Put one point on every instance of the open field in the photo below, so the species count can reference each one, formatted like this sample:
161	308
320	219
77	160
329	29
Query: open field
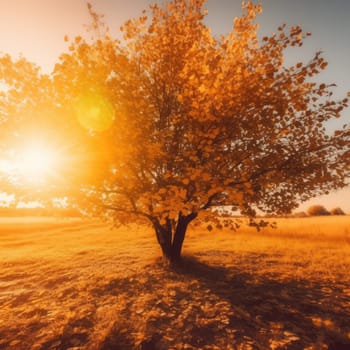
71	284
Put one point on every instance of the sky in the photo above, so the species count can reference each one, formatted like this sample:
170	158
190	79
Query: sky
35	29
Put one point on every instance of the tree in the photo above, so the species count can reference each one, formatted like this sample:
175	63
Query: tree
189	126
337	211
318	210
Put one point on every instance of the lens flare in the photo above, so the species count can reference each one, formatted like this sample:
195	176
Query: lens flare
94	112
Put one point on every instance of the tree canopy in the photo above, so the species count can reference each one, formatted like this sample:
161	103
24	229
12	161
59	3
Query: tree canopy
318	210
172	124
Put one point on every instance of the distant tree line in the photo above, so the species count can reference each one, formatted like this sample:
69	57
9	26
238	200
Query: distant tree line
317	210
320	210
38	211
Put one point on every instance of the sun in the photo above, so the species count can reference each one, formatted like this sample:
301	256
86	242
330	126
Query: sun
36	162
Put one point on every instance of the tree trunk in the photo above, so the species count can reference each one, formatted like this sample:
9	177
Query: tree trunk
163	234
171	237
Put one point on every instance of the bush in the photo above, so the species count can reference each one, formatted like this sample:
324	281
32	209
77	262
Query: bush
337	211
300	214
317	210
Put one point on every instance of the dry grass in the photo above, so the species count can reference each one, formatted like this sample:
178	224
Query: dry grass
79	285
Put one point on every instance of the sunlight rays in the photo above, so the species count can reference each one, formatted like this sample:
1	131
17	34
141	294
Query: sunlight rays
36	161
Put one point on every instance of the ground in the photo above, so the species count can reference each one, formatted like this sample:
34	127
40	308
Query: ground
73	284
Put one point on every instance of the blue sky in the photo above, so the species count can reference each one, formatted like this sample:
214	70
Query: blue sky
35	28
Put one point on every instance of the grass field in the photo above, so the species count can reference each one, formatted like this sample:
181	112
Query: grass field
72	284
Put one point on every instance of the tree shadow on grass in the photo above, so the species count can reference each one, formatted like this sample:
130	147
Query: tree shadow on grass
200	306
277	314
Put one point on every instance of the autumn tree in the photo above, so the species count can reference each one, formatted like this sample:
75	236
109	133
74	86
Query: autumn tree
191	126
